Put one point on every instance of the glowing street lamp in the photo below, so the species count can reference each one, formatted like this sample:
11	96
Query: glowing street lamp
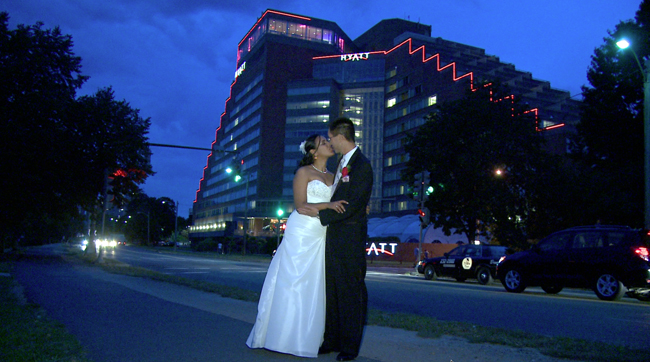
236	170
624	44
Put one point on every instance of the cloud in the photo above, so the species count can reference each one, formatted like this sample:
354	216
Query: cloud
175	60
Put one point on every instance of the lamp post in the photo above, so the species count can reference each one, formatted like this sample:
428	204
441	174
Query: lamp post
176	227
175	203
277	229
237	171
148	224
246	213
624	44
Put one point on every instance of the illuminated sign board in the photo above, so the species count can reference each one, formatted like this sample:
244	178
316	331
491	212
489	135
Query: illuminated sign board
354	57
382	249
240	70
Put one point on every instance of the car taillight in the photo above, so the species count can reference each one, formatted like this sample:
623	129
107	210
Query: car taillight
643	253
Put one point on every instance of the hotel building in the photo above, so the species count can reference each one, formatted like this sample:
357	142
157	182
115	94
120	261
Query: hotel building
295	73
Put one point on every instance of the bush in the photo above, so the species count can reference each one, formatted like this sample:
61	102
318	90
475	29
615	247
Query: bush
208	245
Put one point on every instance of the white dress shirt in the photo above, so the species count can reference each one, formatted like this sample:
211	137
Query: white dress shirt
344	162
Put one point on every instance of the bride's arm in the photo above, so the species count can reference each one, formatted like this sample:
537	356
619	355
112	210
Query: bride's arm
300	181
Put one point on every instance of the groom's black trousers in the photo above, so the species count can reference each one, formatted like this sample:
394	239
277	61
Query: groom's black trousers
347	299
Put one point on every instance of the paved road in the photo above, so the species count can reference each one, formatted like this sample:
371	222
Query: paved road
573	313
119	318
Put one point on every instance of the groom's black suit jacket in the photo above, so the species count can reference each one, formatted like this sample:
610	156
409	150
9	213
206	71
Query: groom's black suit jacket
345	258
348	231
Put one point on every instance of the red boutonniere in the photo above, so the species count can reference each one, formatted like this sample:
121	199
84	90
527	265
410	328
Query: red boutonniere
344	174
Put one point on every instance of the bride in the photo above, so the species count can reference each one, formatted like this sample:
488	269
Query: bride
291	310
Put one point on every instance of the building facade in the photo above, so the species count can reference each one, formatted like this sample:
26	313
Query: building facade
295	73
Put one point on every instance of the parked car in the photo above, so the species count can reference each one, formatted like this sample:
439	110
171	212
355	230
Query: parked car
605	258
464	262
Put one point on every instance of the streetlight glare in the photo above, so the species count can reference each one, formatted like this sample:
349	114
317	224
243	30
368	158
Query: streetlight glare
645	71
623	43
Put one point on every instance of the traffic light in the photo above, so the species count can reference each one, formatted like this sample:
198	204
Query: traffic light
425	217
280	212
415	189
412	192
420	188
235	170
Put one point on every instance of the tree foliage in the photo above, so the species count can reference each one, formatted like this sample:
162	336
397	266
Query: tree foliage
462	146
611	127
57	149
150	219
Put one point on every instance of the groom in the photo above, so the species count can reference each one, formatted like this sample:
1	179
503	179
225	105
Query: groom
345	255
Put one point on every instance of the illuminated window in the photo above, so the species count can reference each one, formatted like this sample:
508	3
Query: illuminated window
277	26
391	73
391	87
309	105
314	33
433	100
328	36
391	102
297	30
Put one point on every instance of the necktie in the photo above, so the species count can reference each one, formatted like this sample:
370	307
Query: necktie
337	177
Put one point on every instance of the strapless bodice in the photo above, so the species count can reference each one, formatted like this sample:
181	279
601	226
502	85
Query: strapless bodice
317	191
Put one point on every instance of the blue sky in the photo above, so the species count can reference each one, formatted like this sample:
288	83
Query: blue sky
174	60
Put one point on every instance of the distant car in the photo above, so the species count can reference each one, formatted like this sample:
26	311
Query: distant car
78	242
465	262
605	258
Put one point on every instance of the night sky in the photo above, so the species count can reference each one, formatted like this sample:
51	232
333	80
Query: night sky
175	60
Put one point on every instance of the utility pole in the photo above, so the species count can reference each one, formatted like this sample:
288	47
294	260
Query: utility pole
421	193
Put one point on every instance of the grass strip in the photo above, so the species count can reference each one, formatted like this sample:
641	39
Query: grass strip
428	327
558	347
27	333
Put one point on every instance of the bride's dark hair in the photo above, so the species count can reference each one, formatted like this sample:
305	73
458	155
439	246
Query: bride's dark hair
310	144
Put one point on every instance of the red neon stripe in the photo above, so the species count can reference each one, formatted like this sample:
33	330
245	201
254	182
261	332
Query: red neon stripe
424	60
552	127
383	252
215	140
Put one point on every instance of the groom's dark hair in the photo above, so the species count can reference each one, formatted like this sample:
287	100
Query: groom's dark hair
343	126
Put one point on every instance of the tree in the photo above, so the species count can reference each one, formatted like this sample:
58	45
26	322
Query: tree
111	143
463	145
151	219
59	151
610	133
40	76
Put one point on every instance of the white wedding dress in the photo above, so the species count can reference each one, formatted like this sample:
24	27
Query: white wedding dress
291	311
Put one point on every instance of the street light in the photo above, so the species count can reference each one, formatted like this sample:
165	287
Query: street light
277	228
624	44
175	203
236	170
148	224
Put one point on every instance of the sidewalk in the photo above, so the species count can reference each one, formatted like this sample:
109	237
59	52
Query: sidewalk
122	318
